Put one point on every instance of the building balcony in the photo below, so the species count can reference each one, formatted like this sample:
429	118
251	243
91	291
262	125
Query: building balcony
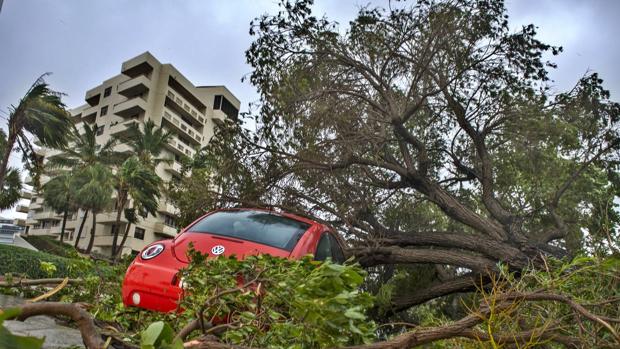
46	231
219	116
134	86
180	148
130	107
165	206
25	194
93	96
28	180
35	206
182	127
89	116
175	168
47	215
106	240
165	230
182	106
109	218
140	65
121	128
55	230
22	208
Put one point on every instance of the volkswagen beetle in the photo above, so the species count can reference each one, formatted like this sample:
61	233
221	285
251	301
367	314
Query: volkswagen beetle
151	280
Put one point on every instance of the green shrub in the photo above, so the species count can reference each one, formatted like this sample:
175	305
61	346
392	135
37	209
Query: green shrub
311	304
20	261
23	262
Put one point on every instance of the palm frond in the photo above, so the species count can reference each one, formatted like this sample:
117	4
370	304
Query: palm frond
10	193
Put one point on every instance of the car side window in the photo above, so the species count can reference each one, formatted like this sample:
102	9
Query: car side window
323	249
337	254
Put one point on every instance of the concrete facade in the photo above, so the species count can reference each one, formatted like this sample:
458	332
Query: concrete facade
144	90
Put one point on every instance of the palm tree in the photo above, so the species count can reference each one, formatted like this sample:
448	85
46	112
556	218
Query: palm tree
58	194
40	115
94	187
147	144
136	181
83	153
10	191
131	215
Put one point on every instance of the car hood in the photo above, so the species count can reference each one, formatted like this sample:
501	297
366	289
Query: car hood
213	245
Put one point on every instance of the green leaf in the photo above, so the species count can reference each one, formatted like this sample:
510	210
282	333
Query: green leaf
151	334
354	314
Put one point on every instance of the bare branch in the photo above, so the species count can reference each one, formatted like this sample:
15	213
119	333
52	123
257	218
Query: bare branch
90	334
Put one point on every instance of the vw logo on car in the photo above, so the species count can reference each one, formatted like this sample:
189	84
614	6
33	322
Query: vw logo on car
217	250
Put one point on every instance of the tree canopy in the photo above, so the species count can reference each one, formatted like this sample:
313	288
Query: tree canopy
430	135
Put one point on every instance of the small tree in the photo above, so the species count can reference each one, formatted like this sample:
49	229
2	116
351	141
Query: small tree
83	153
138	182
59	195
94	187
147	143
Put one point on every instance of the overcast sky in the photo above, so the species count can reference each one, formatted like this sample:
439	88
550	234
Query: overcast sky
84	42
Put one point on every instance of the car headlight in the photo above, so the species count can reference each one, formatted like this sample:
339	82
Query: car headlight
152	251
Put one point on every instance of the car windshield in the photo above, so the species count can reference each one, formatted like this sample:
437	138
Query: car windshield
256	226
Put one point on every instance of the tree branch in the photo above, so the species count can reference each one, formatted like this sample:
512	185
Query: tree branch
90	334
372	256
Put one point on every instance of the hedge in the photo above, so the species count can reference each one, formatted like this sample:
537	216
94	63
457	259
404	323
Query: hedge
24	262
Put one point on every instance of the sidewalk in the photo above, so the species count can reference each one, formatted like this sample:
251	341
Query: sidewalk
20	242
56	336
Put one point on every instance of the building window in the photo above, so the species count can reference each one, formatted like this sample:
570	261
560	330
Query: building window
104	111
138	233
107	92
169	221
223	104
217	102
100	130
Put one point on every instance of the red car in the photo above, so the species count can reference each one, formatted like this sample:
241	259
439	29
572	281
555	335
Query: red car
151	280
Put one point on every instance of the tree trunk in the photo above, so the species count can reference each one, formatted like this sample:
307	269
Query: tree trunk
79	234
64	223
119	209
92	234
5	157
122	244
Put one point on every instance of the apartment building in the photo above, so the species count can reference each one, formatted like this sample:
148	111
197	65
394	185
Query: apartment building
144	90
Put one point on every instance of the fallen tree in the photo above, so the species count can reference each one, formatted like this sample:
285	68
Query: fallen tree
502	315
20	282
428	134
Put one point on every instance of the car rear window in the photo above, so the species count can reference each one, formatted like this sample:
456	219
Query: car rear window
256	226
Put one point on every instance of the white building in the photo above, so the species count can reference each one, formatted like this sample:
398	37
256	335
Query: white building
144	90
